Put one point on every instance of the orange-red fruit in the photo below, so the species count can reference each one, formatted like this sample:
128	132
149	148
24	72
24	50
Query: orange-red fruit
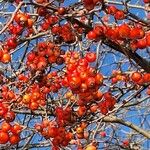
16	129
55	148
91	147
92	35
98	30
90	56
52	131
111	9
99	79
33	105
81	110
126	143
136	76
9	116
146	77
89	5
133	45
79	130
137	33
93	108
21	18
119	15
90	82
124	31
5	127
42	11
103	134
4	137
6	58
30	23
142	43
114	80
38	127
83	125
69	136
26	98
14	139
61	11
75	82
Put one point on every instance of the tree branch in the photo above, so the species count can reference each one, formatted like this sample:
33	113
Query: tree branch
114	119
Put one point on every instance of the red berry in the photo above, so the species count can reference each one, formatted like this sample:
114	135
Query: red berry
92	35
137	33
119	15
136	76
142	43
90	56
16	129
124	31
103	134
61	11
14	139
4	137
9	116
111	9
5	127
126	143
12	43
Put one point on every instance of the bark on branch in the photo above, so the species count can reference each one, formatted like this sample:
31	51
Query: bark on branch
114	119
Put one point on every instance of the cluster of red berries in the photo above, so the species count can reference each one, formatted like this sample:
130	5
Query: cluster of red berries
49	129
23	78
5	113
90	4
140	78
118	14
63	116
136	77
80	131
34	97
52	83
10	133
49	21
86	102
21	21
87	97
107	104
46	53
65	32
80	77
136	34
118	76
7	94
141	43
